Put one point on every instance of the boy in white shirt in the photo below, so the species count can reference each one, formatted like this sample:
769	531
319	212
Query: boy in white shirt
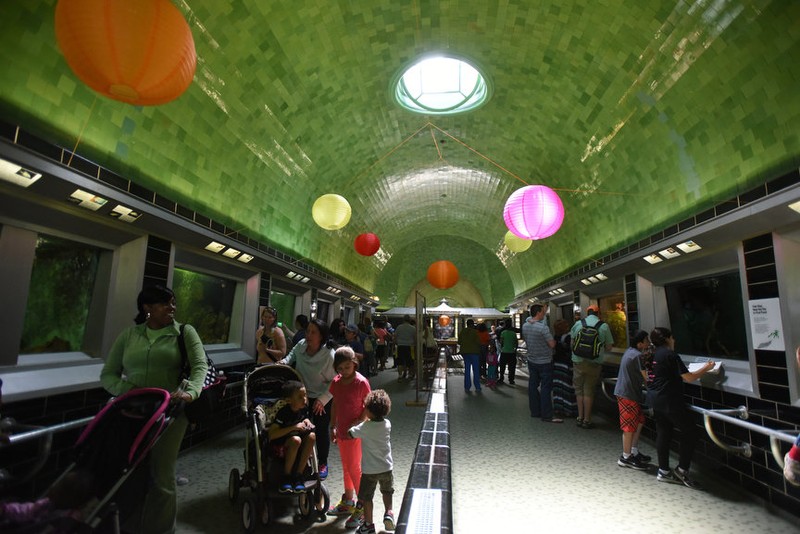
376	459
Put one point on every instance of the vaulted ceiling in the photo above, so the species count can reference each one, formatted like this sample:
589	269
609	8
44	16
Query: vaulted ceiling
637	113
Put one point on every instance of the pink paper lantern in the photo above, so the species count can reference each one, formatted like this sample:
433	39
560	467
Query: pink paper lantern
367	244
533	212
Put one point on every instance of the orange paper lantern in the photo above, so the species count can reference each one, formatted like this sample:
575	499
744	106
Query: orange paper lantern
444	320
138	52
442	274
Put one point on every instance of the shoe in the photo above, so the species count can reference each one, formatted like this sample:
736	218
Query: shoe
388	521
588	425
298	486
366	529
323	471
552	420
579	421
668	477
286	487
511	382
344	507
356	517
683	477
181	480
632	462
791	470
642	458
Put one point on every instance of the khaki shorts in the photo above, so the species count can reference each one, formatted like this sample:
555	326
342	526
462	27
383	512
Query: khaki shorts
366	489
585	377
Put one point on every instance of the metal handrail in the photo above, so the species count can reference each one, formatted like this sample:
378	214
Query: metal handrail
726	414
38	432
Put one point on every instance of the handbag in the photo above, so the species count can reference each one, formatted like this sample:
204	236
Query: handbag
200	409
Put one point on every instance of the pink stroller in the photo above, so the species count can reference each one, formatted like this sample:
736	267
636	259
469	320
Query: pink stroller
85	498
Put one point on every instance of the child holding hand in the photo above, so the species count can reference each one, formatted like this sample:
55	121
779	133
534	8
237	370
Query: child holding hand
293	430
349	389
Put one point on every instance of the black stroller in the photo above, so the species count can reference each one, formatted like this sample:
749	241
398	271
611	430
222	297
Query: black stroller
107	453
262	396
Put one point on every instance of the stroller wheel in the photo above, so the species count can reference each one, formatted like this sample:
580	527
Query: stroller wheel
233	485
305	505
322	499
255	511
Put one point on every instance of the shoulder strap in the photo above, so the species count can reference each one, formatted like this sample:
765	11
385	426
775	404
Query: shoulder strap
583	324
182	347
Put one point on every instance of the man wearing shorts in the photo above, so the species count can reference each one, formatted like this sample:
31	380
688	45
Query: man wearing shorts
630	382
586	373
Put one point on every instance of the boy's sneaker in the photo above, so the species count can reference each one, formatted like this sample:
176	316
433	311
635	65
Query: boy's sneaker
366	529
357	517
298	486
323	471
388	521
683	477
632	462
668	477
791	470
286	487
344	507
643	458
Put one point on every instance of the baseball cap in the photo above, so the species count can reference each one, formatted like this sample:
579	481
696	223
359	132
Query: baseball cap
352	328
593	308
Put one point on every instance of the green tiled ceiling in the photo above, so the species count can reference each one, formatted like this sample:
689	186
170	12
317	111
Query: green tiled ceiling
639	113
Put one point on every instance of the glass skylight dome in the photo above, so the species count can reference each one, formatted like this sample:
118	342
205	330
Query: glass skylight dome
441	85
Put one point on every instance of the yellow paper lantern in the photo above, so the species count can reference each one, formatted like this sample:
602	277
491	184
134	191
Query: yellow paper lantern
516	244
331	212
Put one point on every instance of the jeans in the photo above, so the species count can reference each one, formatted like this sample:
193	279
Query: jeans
541	378
472	367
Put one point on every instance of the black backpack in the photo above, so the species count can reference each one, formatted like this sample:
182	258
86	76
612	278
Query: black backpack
587	343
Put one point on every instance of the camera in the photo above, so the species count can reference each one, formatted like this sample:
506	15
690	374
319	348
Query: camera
264	339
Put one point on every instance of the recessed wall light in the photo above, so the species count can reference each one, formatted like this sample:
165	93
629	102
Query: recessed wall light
653	258
795	206
231	253
601	276
586	282
215	247
669	253
593	279
245	258
87	200
298	277
305	279
11	172
688	246
291	274
125	214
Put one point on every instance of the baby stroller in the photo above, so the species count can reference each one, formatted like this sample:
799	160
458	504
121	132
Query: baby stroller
262	396
107	453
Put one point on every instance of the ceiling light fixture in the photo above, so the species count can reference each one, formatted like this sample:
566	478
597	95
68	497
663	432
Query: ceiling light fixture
11	172
231	253
87	200
652	259
215	247
245	258
125	214
669	253
688	246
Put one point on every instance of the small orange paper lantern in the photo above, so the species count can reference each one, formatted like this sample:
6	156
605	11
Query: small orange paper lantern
444	320
367	244
138	52
442	274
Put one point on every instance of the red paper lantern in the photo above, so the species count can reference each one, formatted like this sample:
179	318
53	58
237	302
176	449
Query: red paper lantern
138	52
442	274
367	244
444	320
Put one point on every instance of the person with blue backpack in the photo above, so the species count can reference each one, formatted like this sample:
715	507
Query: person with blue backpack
590	338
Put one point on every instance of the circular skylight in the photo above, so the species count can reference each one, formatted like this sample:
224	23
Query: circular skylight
441	85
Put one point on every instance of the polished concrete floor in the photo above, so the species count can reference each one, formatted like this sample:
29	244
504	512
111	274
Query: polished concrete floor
510	473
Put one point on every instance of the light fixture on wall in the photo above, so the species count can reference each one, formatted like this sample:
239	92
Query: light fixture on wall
87	200
125	214
13	173
215	247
